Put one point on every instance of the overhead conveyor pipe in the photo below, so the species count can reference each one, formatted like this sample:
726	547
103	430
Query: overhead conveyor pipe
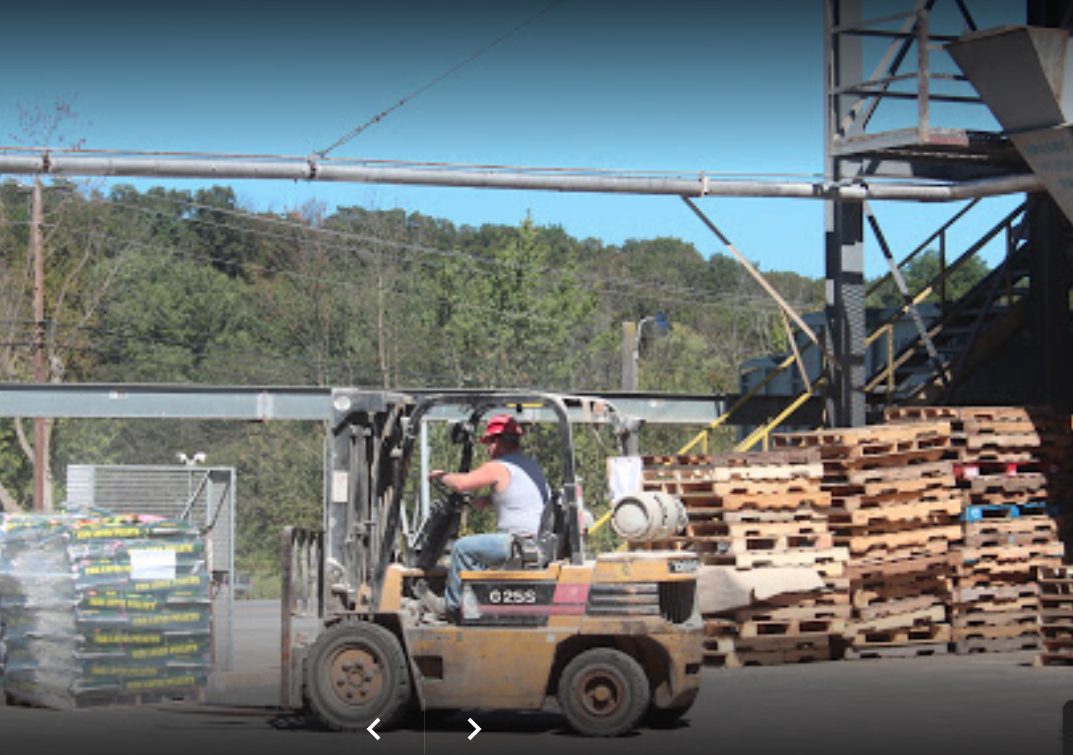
75	163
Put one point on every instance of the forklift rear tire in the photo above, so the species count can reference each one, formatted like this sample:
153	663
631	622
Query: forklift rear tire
603	693
357	674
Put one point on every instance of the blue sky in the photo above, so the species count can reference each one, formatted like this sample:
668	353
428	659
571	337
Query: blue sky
675	85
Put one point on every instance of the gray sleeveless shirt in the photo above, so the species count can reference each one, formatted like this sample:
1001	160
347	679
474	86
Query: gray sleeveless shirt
520	506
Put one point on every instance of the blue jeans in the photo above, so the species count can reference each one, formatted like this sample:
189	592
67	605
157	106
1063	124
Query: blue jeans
474	552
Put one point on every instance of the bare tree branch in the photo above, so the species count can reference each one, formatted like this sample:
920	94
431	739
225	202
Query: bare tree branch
8	502
24	441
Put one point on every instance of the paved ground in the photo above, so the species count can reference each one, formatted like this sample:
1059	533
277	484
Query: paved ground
976	704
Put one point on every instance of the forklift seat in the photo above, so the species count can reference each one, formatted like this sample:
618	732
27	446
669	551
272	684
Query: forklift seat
529	552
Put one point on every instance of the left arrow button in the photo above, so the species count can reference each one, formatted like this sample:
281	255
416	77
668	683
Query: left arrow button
371	727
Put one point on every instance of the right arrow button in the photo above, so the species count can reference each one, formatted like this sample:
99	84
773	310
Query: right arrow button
476	728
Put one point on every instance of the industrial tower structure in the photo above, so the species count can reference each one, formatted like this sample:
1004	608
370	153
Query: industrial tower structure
1010	339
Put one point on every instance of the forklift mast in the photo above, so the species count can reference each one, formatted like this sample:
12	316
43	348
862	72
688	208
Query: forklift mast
371	444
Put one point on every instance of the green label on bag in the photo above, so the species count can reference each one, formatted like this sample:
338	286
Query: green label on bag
127	638
143	685
167	617
186	648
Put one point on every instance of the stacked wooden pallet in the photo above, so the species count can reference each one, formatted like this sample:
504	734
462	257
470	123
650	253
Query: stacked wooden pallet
1008	532
755	511
1056	462
895	508
1056	616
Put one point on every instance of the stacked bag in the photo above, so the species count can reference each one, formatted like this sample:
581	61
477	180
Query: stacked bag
98	609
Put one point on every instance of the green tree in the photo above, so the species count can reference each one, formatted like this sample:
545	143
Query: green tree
514	316
173	320
922	271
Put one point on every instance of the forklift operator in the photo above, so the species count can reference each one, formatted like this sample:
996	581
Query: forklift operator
519	493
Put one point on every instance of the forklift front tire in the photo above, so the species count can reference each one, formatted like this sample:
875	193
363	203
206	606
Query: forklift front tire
357	674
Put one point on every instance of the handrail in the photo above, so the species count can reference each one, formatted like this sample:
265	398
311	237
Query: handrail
876	284
884	329
762	432
929	288
893	362
702	436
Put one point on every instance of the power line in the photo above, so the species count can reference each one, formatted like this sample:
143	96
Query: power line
425	87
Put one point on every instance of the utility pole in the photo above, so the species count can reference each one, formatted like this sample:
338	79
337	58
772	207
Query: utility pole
40	373
629	372
629	355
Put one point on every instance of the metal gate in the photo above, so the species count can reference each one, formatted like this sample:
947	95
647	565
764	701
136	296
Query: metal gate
202	496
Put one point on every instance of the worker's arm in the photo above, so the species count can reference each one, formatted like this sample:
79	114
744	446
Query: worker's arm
491	474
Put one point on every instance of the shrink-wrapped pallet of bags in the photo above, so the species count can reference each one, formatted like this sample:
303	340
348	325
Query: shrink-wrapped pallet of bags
37	599
103	609
143	608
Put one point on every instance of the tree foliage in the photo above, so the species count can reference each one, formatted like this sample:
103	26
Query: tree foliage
924	270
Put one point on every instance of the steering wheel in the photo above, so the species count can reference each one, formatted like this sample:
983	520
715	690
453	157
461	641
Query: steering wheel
454	497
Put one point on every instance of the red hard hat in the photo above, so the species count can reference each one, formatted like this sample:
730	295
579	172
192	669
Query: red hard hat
501	424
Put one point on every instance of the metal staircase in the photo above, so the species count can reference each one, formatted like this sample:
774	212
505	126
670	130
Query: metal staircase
962	334
965	331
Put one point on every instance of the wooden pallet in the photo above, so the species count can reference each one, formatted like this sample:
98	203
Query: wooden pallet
997	645
1003	441
1049	658
803	515
982	606
783	643
1001	618
879	609
805	528
767	501
827	561
1013	526
917	635
790	627
842	465
1016	539
767	472
921	618
792	486
792	613
872	434
932	539
1056	634
920	413
983	594
976	427
886	592
989	572
1004	554
1029	482
894	474
1007	498
902	507
896	651
915	563
993	632
968	463
1012	576
940	481
780	543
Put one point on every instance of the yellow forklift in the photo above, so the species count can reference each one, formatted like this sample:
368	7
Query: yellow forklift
613	641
